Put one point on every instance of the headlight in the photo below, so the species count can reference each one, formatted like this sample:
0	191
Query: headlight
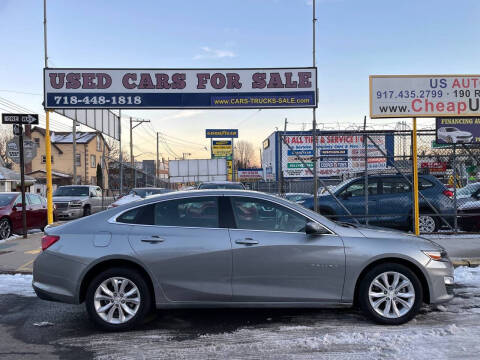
436	255
76	203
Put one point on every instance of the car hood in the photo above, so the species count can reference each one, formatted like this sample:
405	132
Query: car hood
395	235
68	198
462	133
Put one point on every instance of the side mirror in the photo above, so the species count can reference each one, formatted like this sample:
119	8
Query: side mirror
92	195
17	207
313	228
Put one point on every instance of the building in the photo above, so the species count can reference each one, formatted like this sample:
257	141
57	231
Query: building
10	180
90	150
148	167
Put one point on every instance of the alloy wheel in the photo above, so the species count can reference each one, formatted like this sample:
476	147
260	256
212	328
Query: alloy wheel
117	300
426	224
391	295
4	229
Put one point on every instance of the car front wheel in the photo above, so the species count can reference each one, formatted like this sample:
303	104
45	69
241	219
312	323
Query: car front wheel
118	299
427	224
390	294
5	229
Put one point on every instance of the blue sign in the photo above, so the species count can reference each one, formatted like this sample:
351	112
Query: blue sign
221	133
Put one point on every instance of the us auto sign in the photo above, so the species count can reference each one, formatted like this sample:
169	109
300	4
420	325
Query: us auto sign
393	96
180	88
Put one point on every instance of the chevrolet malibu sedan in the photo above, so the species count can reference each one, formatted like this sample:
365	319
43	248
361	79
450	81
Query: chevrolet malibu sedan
234	248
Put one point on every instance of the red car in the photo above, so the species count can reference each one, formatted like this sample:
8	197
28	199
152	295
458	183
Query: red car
11	213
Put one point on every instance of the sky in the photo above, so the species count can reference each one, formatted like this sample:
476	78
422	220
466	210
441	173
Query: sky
355	39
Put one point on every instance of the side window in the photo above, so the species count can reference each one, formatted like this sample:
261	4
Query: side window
190	212
33	199
18	201
357	188
395	186
257	214
424	184
141	215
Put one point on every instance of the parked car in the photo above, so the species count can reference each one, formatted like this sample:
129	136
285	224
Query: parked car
390	202
138	194
234	248
11	213
468	202
221	185
452	134
74	201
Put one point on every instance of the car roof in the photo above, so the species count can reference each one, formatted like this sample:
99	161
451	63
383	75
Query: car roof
221	182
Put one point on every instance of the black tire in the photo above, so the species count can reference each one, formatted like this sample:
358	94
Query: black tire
431	219
364	287
145	299
5	229
87	210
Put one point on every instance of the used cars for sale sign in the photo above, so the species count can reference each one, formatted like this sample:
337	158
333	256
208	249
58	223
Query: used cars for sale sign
180	88
393	96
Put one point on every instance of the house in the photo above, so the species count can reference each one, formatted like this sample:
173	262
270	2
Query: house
10	180
90	149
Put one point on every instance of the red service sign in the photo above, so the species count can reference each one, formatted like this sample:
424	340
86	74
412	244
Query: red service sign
434	166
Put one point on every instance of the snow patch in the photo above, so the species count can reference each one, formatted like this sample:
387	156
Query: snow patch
18	284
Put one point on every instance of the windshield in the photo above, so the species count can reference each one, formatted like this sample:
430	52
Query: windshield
143	193
6	199
222	186
469	189
71	191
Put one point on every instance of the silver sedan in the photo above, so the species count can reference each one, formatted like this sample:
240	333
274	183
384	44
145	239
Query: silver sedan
229	248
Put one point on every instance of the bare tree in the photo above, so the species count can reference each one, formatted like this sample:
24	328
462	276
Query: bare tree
244	154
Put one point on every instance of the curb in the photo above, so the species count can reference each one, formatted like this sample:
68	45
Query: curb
470	262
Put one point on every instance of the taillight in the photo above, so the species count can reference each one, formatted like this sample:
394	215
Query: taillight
49	240
448	193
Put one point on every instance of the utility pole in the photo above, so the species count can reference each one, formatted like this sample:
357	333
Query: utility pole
74	146
314	127
132	162
156	165
282	140
48	149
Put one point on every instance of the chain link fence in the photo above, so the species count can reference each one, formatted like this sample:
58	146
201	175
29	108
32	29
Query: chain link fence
381	162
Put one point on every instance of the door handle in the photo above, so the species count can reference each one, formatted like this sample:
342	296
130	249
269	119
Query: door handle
246	241
154	239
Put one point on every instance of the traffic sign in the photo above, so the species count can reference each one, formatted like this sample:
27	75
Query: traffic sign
13	150
25	119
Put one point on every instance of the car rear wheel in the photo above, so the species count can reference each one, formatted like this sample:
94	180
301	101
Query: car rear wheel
118	299
5	229
390	294
87	211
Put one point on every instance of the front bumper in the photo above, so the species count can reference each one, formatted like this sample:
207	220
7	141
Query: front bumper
439	273
56	278
69	213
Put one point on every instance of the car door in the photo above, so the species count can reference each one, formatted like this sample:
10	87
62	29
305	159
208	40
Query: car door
353	198
16	214
274	260
183	244
395	201
34	210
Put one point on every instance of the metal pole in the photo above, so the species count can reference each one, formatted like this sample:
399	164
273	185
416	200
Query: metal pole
74	146
156	165
282	183
454	162
415	179
48	150
280	162
120	156
365	142
314	125
22	181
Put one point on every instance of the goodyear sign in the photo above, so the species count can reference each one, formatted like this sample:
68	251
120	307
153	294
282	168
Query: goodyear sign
221	133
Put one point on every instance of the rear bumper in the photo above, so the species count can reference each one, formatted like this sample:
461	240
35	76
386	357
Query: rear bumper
56	278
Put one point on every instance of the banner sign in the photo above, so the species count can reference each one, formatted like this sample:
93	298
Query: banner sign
221	133
457	130
180	88
394	96
221	148
336	154
101	120
250	174
434	167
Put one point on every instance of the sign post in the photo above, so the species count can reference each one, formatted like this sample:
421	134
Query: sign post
416	214
17	120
